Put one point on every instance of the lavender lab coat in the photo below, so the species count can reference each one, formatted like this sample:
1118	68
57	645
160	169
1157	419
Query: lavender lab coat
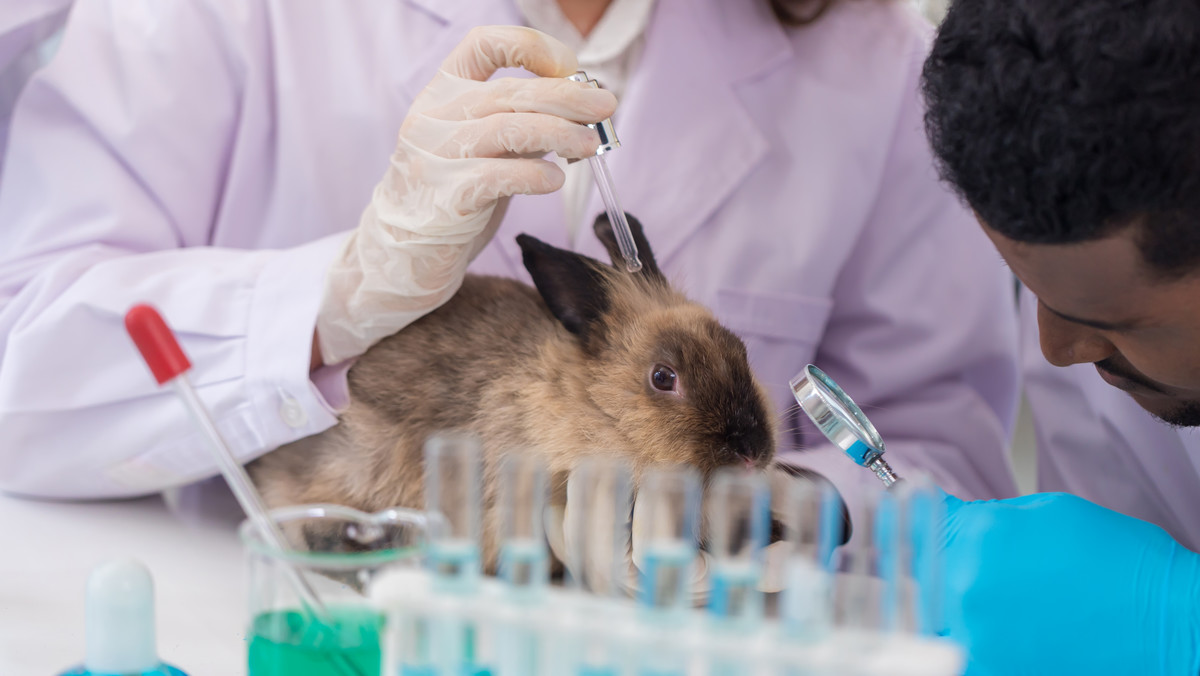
209	156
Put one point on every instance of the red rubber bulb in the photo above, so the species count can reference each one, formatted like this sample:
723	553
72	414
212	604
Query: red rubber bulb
156	342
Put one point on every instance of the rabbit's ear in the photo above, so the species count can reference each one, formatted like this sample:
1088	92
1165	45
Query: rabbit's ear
604	231
572	285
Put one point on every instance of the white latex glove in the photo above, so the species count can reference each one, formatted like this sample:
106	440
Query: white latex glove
466	146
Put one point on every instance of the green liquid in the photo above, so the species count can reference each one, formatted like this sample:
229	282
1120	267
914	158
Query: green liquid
286	643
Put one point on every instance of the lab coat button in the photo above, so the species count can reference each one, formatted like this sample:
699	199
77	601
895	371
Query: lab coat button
293	413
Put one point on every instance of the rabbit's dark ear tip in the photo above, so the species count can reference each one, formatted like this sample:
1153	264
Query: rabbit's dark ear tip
602	225
527	242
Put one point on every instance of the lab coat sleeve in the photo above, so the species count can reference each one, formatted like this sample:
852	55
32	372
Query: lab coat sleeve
922	334
112	184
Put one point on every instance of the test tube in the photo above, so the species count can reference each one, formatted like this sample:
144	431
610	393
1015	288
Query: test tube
452	502
737	510
665	532
664	536
452	499
597	535
855	604
894	561
922	535
523	560
522	500
738	513
812	515
600	493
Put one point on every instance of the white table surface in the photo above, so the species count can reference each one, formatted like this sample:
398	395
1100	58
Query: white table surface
188	541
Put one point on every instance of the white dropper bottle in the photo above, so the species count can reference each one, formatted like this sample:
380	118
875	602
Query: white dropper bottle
119	624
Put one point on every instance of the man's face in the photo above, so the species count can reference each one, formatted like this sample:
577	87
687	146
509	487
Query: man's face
1099	303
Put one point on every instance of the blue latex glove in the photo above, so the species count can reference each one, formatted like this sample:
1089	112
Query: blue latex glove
1054	584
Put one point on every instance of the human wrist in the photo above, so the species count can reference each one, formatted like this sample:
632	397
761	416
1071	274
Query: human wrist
314	360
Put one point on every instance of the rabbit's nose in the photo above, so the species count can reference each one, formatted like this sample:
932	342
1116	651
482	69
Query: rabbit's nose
749	447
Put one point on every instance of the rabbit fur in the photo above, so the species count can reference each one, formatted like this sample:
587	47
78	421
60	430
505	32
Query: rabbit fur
564	371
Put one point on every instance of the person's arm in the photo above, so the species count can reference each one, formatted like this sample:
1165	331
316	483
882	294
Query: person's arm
922	332
112	182
1054	584
118	179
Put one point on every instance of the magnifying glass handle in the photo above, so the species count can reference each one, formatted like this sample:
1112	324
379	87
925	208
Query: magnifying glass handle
884	471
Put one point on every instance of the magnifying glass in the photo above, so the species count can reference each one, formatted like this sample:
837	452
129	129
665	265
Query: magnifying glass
841	421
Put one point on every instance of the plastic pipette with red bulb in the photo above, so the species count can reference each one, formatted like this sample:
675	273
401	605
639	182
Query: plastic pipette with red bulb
169	364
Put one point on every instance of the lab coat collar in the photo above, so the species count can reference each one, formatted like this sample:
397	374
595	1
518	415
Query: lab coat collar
687	140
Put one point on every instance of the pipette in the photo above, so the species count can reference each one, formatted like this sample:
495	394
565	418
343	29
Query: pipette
169	364
604	183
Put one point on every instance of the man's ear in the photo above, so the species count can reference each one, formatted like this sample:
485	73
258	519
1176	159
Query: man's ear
572	285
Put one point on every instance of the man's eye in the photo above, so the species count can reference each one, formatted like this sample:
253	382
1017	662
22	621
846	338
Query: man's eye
663	378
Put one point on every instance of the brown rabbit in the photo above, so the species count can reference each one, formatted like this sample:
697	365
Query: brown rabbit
594	361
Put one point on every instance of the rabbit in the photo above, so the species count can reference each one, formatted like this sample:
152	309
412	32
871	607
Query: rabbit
595	360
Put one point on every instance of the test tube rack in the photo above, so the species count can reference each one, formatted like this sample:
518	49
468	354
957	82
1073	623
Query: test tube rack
571	633
447	620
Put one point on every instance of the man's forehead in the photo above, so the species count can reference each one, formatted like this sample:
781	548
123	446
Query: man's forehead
1084	276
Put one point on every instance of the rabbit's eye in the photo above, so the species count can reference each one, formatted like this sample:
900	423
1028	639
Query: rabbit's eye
663	378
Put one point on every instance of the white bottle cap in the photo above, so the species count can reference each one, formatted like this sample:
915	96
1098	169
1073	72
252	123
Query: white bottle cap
120	619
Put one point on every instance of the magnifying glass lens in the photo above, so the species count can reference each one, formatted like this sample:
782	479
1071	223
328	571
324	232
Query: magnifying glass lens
836	415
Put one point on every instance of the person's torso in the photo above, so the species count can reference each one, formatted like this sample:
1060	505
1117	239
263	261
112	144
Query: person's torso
752	154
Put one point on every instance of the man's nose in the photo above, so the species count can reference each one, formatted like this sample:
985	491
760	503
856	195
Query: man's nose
1065	342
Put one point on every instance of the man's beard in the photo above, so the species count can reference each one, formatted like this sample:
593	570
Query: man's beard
1186	415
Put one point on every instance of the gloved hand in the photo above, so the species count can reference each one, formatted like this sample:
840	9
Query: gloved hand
464	148
1054	584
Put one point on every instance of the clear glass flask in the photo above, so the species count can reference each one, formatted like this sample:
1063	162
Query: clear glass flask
338	551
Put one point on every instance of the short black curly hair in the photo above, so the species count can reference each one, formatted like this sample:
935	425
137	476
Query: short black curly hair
1062	121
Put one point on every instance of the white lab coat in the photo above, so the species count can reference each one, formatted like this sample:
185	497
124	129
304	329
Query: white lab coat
208	157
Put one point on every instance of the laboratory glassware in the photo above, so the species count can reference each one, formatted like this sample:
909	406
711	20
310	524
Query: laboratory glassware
346	550
453	475
604	183
812	516
596	540
168	364
841	421
524	560
737	509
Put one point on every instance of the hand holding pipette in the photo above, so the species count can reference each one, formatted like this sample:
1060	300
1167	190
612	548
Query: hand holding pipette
169	364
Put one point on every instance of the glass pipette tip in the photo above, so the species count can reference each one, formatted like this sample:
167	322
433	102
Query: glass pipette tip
616	216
